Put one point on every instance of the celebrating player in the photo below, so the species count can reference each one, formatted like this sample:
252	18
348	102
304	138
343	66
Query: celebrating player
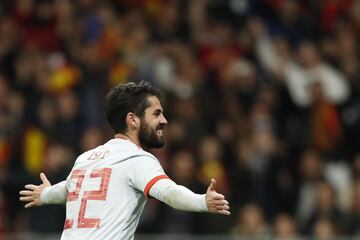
107	187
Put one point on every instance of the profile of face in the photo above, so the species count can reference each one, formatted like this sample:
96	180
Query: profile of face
152	125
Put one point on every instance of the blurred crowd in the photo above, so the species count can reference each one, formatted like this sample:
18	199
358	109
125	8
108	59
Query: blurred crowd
262	95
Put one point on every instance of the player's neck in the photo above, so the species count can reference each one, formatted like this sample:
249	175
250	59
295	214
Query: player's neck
129	136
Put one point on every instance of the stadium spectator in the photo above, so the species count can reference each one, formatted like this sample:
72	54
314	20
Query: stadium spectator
352	222
221	65
325	208
251	223
285	228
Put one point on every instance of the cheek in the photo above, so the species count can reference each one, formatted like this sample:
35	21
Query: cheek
153	124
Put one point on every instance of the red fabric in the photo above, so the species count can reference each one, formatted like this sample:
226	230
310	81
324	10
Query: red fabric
331	11
326	126
152	182
42	37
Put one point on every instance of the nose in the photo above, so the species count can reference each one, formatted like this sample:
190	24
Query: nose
163	120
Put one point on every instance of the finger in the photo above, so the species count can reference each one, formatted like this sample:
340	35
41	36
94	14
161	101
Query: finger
30	204
26	193
222	207
222	202
44	179
31	186
219	197
212	185
26	199
224	212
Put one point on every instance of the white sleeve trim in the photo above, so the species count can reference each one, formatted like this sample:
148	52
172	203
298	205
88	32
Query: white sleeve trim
56	194
178	197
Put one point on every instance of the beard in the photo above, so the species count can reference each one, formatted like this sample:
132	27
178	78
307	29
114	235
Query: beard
148	137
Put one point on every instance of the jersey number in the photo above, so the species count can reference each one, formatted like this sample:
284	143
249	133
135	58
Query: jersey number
100	194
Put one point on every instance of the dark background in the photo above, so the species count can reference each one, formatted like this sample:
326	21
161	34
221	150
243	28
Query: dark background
262	95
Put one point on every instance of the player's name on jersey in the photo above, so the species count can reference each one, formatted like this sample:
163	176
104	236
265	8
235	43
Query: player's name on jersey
98	155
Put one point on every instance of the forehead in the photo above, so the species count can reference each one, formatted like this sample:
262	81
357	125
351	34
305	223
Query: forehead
154	103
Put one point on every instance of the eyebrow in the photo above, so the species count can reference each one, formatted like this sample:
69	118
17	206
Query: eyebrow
158	110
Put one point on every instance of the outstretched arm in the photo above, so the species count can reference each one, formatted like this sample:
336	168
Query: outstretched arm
45	193
181	198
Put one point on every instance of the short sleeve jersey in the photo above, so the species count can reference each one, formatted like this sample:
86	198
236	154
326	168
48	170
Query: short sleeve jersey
107	190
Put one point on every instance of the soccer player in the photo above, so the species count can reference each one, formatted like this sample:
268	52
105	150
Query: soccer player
107	187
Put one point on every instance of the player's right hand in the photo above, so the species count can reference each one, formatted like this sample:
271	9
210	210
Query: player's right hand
32	193
216	202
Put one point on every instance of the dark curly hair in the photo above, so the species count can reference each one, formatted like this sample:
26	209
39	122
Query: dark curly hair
125	98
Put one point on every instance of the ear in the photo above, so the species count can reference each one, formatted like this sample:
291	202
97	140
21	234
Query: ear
132	121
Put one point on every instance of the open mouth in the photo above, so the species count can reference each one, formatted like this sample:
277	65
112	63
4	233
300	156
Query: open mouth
159	130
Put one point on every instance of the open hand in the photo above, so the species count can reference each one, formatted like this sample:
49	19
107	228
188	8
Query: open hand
33	192
216	202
